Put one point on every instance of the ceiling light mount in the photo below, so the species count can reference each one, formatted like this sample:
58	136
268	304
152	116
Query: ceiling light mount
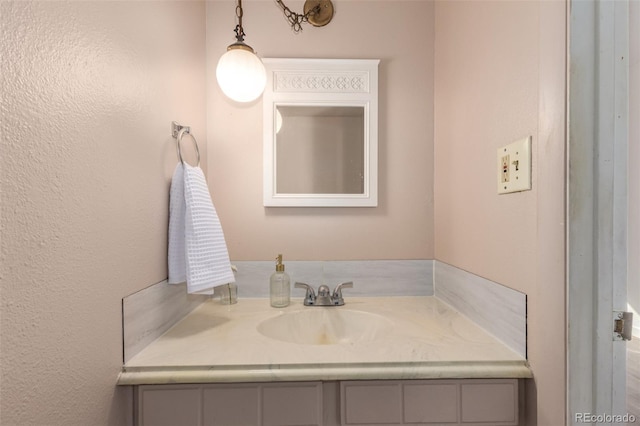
316	12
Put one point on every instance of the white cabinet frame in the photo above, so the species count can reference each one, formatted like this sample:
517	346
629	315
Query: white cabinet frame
321	82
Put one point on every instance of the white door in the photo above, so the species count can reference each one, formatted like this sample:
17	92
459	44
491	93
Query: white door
598	188
633	278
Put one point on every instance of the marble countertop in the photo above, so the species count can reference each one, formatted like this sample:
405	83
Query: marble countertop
422	338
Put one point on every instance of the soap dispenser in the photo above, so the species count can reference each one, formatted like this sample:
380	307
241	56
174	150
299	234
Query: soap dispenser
280	285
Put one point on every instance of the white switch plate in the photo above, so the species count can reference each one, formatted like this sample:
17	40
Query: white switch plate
514	166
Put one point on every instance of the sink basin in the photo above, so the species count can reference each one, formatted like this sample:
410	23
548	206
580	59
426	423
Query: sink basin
325	326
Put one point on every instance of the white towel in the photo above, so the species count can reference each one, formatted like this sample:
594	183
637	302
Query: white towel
177	208
197	250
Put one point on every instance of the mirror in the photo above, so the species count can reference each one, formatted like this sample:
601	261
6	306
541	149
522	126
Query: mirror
320	133
319	149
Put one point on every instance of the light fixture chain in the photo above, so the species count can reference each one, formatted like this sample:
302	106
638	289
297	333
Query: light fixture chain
296	19
239	30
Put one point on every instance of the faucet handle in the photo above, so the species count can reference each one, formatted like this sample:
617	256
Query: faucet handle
324	296
337	293
310	295
323	291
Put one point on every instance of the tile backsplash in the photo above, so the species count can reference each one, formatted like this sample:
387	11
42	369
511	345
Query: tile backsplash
498	309
370	277
148	313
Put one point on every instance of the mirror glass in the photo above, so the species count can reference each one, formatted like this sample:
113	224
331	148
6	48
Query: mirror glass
320	149
320	119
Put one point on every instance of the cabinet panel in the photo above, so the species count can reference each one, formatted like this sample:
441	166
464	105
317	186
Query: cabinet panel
430	402
231	405
169	406
375	403
427	403
371	403
490	402
291	404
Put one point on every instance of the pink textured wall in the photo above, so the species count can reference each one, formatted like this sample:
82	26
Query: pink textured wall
401	227
89	90
87	101
500	76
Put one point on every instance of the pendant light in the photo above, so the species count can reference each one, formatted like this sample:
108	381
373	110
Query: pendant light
240	73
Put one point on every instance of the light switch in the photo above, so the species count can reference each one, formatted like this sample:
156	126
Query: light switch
514	166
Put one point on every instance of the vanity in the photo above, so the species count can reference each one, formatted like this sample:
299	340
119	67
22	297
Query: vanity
417	342
385	360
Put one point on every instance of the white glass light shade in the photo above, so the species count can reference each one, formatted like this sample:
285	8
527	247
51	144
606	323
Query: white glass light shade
241	75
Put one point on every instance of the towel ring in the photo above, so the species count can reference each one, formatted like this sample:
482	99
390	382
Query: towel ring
178	131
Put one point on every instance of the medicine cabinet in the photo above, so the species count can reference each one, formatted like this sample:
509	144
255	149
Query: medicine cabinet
321	133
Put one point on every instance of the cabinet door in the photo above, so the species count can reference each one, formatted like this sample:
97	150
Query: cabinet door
433	402
169	405
292	404
492	402
371	403
231	405
430	402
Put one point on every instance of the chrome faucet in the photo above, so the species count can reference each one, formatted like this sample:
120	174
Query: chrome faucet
324	297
